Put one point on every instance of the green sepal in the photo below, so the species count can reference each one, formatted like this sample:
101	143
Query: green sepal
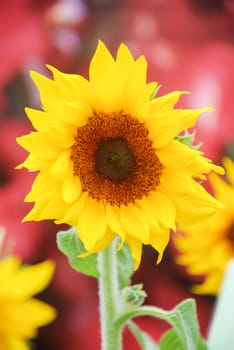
187	139
154	93
133	296
69	244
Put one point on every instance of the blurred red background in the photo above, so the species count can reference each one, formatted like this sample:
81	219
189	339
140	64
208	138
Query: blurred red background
189	45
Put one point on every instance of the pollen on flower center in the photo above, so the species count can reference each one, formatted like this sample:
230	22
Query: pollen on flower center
114	158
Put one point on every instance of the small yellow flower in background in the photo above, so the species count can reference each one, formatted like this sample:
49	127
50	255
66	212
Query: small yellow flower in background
20	314
206	248
108	159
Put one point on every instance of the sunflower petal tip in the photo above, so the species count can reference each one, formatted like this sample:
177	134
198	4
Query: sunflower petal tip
26	110
50	267
101	42
19	166
207	109
24	220
101	45
18	139
33	74
52	69
136	264
220	170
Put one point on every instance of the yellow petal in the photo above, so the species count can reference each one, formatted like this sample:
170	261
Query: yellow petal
71	216
27	281
106	95
166	102
185	159
73	86
163	127
101	58
33	143
33	162
91	226
113	220
23	318
140	106
211	285
229	166
50	93
43	189
159	240
8	266
71	189
62	166
78	112
124	58
12	343
39	119
136	250
164	209
185	188
146	207
101	244
35	213
134	222
55	208
135	82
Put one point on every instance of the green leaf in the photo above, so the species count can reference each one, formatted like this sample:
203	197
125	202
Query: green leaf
185	334
69	243
144	339
202	345
171	341
63	240
125	266
183	319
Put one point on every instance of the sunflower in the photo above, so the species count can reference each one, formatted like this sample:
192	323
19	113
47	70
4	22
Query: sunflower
207	247
20	314
108	159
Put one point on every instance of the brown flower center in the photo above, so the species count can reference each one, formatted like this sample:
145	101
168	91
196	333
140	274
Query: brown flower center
114	158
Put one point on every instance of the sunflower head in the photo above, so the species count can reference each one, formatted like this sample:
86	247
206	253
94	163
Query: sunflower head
108	159
214	235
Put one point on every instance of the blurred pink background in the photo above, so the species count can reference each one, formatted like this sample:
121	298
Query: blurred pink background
189	45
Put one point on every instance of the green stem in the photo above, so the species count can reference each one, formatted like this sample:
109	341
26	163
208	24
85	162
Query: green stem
109	298
144	339
144	311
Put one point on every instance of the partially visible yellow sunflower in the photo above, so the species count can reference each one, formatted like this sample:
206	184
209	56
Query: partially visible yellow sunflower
108	159
206	248
20	314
